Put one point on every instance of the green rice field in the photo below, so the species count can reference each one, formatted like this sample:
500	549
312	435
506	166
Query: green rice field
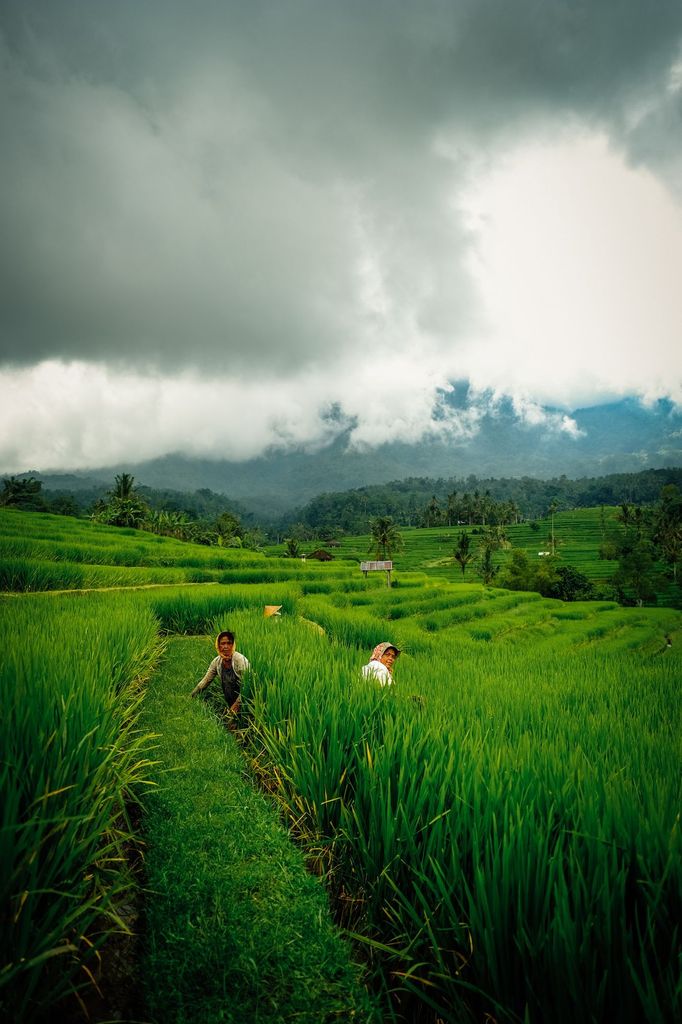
578	534
495	838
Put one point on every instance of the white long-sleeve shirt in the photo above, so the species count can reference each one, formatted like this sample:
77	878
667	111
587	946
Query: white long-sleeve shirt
377	670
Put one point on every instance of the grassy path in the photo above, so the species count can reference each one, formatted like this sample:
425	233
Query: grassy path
237	930
121	586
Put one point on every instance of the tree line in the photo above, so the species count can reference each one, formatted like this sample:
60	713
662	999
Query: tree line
641	538
125	505
645	534
204	517
424	501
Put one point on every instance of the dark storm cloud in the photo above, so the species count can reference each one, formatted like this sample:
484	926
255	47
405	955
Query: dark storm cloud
263	185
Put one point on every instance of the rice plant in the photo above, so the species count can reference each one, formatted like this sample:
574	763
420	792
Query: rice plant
187	610
507	845
72	760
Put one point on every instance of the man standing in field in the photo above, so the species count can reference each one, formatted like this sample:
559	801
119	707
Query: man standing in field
230	666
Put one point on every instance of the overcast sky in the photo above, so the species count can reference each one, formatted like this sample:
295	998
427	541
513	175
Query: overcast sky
229	224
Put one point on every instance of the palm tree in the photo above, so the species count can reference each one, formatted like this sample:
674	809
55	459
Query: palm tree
667	526
487	569
494	538
554	505
17	491
669	541
467	508
123	487
432	512
125	507
625	514
451	510
385	537
486	507
293	548
463	553
511	512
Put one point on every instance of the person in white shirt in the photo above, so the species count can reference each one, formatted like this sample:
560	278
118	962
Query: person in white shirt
380	665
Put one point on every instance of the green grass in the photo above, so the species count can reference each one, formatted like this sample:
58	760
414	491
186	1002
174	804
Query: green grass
39	551
456	614
73	759
507	845
579	535
25	575
237	930
511	844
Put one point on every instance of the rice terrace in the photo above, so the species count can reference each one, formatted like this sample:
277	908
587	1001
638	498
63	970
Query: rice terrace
495	838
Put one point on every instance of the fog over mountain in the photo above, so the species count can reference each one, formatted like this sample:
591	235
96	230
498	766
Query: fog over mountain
621	437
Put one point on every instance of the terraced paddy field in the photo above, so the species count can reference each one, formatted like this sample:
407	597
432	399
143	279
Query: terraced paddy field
497	833
579	535
45	552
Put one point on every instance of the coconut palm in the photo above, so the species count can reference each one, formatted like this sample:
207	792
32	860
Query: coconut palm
487	569
463	553
20	492
123	487
292	547
552	510
385	537
494	538
625	514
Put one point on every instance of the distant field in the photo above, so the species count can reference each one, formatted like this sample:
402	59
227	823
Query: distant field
45	552
578	533
500	830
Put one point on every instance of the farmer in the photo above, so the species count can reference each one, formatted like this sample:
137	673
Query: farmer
229	666
380	665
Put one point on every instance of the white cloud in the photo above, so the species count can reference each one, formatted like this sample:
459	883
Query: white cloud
217	227
577	262
576	257
62	415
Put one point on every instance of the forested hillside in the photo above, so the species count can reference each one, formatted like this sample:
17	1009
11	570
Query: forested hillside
424	501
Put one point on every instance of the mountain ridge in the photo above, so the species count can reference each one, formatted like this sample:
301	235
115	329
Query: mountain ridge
620	437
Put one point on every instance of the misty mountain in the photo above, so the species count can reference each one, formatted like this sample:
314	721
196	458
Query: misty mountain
621	437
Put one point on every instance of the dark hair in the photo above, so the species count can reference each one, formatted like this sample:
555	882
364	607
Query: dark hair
225	632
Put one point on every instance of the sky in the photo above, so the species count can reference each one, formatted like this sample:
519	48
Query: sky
228	226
